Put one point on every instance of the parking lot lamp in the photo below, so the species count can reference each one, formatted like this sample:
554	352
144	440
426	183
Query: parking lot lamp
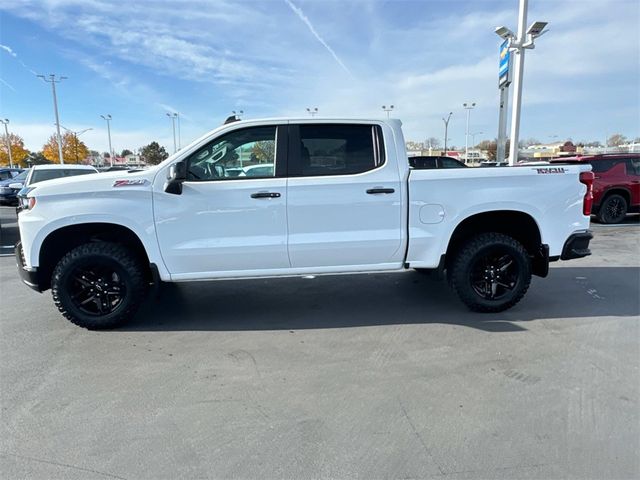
5	122
387	109
173	117
75	138
468	107
312	111
107	118
446	128
52	80
518	44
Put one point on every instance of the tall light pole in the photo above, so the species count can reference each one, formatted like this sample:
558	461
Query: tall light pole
312	111
75	138
52	80
388	109
473	138
107	118
446	129
173	117
5	122
518	44
468	107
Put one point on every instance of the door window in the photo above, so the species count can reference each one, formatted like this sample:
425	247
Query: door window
249	152
339	149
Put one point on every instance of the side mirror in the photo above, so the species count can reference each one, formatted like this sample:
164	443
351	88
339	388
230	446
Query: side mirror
15	186
177	175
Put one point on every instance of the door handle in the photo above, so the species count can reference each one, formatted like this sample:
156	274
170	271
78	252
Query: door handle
265	195
373	191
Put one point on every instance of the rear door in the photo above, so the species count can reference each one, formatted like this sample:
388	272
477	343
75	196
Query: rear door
344	205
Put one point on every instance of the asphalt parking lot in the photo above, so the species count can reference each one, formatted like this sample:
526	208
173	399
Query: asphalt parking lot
367	376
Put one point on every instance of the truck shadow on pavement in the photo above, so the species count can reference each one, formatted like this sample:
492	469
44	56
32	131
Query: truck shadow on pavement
345	301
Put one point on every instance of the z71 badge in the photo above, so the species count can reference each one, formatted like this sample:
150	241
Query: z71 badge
551	170
130	183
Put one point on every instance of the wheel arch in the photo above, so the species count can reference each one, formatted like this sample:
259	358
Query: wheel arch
61	240
616	190
515	223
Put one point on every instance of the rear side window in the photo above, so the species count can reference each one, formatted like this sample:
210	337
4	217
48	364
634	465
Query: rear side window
633	166
42	175
600	166
5	175
340	149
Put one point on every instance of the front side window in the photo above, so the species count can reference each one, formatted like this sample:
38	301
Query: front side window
339	149
633	166
5	175
450	163
249	152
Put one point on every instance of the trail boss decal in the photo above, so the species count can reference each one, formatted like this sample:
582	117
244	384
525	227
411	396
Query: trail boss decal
129	183
551	170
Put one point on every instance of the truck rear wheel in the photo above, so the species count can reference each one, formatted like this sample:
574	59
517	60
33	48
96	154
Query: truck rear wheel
98	285
491	272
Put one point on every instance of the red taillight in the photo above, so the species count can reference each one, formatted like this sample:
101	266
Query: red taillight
587	178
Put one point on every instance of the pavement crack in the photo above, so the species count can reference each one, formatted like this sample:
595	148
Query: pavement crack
66	465
419	437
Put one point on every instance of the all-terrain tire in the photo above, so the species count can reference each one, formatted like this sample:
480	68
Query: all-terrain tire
462	271
106	257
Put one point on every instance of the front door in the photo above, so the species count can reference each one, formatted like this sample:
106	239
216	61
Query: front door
230	218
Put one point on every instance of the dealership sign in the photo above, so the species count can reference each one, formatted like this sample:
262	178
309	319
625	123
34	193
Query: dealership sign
504	74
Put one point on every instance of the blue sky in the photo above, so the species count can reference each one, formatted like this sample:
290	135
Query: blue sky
137	60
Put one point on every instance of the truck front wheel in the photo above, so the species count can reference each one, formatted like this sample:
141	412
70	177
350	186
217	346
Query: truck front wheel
98	285
491	272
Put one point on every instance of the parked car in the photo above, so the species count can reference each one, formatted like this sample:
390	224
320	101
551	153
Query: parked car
494	164
10	187
41	173
9	173
431	162
340	198
616	188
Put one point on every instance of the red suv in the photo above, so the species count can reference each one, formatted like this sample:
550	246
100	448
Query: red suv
616	189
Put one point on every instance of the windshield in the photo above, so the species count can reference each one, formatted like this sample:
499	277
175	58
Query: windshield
21	176
42	175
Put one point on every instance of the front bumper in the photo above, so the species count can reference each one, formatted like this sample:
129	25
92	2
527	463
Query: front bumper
29	277
577	246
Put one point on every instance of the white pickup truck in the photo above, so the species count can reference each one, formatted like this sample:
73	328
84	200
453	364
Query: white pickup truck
321	197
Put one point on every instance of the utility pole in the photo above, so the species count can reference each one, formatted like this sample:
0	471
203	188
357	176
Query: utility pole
5	122
312	111
173	117
518	44
52	80
388	109
446	129
468	107
473	138
107	118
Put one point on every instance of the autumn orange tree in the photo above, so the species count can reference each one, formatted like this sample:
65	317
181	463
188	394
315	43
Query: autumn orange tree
18	152
73	149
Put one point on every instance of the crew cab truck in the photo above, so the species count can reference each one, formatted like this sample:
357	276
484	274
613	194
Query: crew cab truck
334	196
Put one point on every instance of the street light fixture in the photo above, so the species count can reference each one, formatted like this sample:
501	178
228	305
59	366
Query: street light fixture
52	80
107	118
5	122
387	109
446	128
468	107
238	114
312	111
518	44
75	138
